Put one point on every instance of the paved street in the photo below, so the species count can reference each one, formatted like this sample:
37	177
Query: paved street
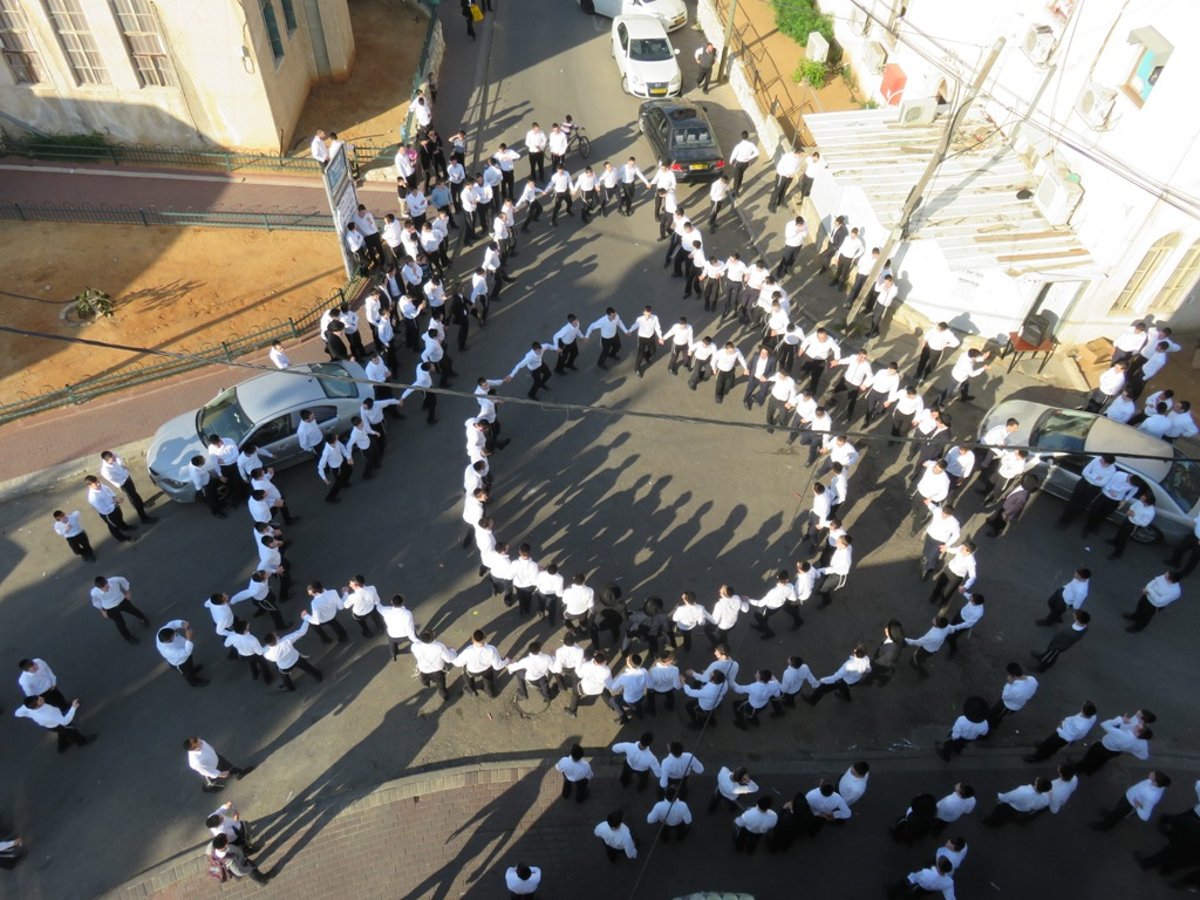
656	505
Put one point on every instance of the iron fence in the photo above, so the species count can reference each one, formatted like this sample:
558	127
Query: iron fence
99	151
227	350
103	214
423	72
779	95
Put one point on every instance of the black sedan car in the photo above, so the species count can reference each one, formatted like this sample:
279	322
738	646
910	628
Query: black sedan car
681	134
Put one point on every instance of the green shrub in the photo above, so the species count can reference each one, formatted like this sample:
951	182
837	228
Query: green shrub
815	74
798	18
62	146
93	304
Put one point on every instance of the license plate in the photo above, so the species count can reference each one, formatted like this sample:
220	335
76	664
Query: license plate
698	166
658	92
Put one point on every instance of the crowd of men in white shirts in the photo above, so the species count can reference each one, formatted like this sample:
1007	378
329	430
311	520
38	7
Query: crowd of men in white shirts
784	376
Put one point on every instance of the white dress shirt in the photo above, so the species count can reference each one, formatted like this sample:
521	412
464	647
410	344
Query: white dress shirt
431	656
620	838
574	770
34	684
638	758
204	760
1061	791
1143	797
1026	798
1018	692
180	648
953	807
757	821
283	652
670	812
852	786
833	805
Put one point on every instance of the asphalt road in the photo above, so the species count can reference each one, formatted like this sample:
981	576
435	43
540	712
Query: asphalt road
656	505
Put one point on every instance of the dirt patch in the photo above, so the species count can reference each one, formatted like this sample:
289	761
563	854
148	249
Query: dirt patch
370	106
174	288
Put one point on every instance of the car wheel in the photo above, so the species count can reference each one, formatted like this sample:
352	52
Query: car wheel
587	6
1146	534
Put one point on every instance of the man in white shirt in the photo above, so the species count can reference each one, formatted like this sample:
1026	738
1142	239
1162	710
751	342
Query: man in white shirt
115	472
479	659
1108	387
935	879
1019	688
174	644
41	712
108	506
211	765
281	650
934	343
112	597
1070	729
534	668
70	527
851	672
639	760
786	170
962	732
618	839
37	679
431	657
334	467
853	783
535	145
753	823
576	772
1141	799
610	327
885	294
522	880
319	149
1158	594
649	337
957	574
928	644
847	255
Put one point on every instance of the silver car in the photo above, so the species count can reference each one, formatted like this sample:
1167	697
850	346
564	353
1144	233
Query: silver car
1067	439
263	411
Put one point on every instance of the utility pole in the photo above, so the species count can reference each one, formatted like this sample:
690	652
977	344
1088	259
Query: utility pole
723	68
900	232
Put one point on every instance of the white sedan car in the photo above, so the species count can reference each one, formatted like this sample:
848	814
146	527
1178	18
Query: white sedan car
672	13
645	57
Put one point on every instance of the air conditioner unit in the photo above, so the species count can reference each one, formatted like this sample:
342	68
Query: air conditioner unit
817	48
875	57
1095	104
918	112
1038	44
1057	196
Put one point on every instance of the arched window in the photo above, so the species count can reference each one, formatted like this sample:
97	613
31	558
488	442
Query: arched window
1175	292
1145	272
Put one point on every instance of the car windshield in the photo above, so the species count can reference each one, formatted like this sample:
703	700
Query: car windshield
335	387
650	49
691	138
1061	430
225	417
1183	483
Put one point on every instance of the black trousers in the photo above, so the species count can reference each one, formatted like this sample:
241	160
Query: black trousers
435	679
561	198
725	382
117	527
1095	758
365	622
541	375
609	348
1189	547
115	614
258	666
471	681
645	353
542	684
335	626
567	354
1142	614
188	670
81	546
135	499
627	198
285	675
68	735
1113	816
340	477
643	777
1098	512
537	165
1047	748
580	789
779	191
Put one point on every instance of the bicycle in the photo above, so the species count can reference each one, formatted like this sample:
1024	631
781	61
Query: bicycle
579	141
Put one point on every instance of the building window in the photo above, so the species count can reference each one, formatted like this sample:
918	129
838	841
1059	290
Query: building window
289	16
71	26
1183	280
268	12
16	43
147	49
1145	272
1153	51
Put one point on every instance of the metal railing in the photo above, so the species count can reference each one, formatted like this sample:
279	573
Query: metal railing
104	214
233	347
778	94
174	157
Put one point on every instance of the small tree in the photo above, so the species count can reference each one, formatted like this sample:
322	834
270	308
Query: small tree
93	304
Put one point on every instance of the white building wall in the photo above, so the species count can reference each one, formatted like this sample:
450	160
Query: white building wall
1116	220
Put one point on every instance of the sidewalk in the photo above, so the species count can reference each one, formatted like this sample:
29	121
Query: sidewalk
453	832
96	184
